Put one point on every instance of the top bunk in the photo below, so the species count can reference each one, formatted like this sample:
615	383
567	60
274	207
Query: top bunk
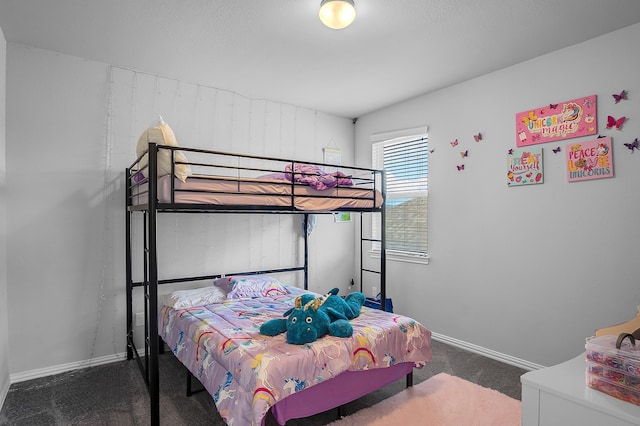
181	179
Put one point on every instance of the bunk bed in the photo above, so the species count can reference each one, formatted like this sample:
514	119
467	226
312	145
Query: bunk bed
238	183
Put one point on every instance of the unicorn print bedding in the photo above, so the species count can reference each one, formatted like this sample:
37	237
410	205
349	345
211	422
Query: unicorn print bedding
248	373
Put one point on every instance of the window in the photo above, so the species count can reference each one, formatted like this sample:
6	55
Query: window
405	161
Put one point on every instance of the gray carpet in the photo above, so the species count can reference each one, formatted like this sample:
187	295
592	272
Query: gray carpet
115	394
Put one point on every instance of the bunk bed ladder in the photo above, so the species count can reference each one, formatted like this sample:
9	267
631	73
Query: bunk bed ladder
382	269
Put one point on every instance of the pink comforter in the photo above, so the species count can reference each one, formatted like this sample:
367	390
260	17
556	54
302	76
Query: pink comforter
247	373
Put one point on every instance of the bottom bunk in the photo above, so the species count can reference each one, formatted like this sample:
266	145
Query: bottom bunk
249	374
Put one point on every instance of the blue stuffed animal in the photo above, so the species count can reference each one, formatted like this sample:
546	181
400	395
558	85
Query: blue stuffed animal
312	317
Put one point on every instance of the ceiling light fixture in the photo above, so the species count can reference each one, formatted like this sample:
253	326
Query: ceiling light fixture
337	14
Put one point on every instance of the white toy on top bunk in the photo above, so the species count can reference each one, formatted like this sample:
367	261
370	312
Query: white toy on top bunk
161	133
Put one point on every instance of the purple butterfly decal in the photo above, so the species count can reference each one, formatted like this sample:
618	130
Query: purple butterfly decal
460	167
556	150
464	153
431	151
621	96
477	137
633	145
553	106
510	152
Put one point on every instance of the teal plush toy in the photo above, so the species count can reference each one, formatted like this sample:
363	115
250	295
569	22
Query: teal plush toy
312	317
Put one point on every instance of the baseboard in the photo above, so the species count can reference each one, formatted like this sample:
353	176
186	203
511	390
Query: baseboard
63	368
4	391
507	359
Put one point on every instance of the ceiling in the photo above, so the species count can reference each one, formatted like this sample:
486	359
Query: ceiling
279	50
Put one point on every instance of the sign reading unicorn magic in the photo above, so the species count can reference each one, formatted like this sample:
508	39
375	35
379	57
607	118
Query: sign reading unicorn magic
565	120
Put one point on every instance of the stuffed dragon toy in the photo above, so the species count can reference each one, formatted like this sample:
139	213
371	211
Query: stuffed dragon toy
312	317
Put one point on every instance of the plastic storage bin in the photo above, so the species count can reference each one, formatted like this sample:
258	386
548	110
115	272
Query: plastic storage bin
614	371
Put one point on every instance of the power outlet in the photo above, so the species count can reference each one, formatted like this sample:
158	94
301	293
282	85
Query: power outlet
139	319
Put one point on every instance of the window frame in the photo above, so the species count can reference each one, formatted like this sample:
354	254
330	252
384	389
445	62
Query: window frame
400	136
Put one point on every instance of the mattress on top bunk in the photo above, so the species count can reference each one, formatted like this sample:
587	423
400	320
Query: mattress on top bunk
247	373
220	191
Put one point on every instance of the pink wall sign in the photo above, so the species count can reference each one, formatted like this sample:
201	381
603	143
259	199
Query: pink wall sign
589	160
564	120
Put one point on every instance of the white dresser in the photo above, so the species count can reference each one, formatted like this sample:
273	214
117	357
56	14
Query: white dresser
558	396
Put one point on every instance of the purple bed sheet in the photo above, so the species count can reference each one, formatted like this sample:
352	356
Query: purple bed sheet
248	373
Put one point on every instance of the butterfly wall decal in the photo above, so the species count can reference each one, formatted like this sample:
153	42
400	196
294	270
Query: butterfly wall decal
556	150
464	153
460	167
431	151
454	143
615	122
510	152
633	145
478	137
553	106
620	97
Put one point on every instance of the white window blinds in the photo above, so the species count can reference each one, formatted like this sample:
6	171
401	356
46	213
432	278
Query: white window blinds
405	163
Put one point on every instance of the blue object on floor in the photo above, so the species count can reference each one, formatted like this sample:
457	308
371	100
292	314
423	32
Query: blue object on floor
376	303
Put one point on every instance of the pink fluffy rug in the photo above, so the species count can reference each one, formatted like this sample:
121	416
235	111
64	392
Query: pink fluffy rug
442	400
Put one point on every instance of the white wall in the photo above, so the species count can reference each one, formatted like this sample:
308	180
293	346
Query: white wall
528	272
4	327
61	292
72	126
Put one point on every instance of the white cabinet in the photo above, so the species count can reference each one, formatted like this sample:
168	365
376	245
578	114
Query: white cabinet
558	396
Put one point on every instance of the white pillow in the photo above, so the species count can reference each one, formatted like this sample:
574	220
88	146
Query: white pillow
183	299
162	135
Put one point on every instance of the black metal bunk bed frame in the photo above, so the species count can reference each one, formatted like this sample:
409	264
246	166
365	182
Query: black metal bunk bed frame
148	362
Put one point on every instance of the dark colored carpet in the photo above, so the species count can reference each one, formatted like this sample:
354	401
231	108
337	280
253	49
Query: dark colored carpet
115	394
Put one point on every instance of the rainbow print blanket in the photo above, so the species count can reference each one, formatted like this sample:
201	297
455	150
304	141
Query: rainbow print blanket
247	373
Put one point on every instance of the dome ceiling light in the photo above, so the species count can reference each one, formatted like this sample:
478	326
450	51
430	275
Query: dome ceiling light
337	14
